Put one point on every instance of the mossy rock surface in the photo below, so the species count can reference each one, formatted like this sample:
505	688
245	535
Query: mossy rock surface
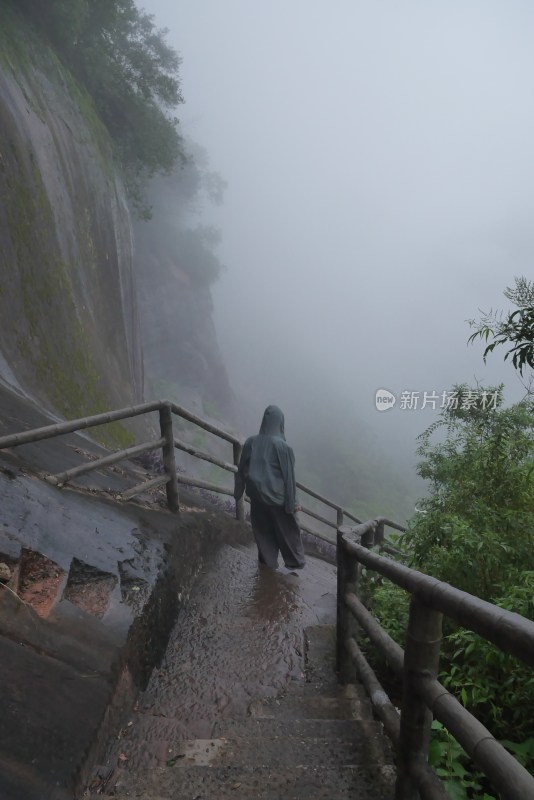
70	328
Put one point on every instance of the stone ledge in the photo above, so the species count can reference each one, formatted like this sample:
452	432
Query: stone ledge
107	583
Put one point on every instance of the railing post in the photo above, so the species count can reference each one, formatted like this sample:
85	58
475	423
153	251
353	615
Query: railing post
339	517
367	538
379	532
169	462
421	659
347	581
239	504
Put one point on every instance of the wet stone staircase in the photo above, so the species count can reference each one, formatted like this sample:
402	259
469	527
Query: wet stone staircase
317	740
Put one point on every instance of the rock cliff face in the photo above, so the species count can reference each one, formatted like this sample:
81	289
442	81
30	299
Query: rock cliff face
70	331
174	268
182	356
69	323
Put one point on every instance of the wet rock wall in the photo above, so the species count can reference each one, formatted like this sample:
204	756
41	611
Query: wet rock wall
69	329
183	360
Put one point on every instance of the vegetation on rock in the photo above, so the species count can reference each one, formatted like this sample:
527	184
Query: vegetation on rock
131	72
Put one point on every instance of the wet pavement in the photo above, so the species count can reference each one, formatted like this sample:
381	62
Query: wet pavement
246	703
239	640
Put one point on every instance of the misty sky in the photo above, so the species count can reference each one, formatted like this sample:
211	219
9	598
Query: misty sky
380	169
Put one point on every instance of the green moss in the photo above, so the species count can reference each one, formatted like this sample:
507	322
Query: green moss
76	390
57	351
17	41
95	126
15	34
47	330
21	51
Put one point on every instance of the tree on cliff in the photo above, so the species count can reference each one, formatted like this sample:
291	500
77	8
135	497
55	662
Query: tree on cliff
174	241
123	59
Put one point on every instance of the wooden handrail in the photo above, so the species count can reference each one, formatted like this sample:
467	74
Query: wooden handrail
131	452
509	631
194	451
166	408
60	428
423	695
180	411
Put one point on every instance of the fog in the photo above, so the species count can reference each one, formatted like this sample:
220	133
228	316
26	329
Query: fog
380	191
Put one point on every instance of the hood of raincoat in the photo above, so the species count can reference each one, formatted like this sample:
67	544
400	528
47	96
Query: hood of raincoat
267	465
272	423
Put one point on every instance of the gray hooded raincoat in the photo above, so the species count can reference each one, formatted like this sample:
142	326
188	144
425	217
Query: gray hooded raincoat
267	472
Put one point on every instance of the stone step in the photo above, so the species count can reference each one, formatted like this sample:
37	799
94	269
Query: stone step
329	688
348	702
320	653
360	706
300	688
365	747
339	729
320	644
245	783
317	741
312	707
320	637
150	741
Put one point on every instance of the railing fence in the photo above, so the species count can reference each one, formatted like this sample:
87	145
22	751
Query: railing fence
423	695
167	442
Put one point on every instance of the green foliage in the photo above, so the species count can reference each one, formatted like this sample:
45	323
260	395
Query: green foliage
62	20
476	532
453	766
460	777
493	685
117	52
390	605
515	328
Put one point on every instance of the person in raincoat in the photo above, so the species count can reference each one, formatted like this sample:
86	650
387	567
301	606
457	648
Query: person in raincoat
267	471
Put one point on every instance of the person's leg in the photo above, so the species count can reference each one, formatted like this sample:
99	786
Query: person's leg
263	528
289	539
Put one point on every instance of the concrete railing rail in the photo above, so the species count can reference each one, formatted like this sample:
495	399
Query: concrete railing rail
417	665
171	479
